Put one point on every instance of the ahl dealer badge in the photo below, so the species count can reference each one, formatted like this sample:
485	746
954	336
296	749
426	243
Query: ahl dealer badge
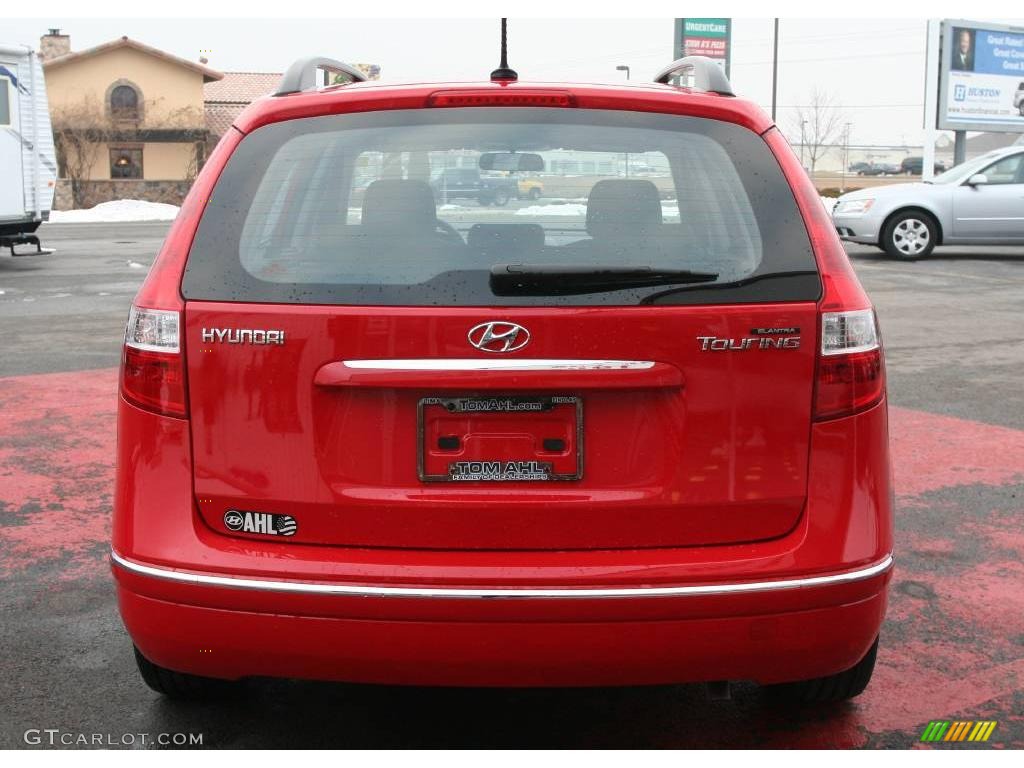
260	522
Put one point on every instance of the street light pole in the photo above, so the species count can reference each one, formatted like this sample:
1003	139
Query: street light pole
775	67
624	68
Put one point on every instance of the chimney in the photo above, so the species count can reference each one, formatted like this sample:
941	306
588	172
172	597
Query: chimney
54	44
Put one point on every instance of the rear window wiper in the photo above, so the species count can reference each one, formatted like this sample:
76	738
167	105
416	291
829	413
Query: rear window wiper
571	280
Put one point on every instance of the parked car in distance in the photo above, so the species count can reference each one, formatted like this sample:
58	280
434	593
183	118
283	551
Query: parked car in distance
980	202
1018	99
604	443
468	183
529	189
913	165
880	169
859	167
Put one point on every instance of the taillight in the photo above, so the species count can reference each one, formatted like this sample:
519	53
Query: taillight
851	369
152	366
501	97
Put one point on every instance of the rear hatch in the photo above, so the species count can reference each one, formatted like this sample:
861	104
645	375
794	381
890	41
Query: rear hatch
626	362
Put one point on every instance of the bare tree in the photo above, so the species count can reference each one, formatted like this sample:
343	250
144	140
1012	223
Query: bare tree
191	122
80	132
819	123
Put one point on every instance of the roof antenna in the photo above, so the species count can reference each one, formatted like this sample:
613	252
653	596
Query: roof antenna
503	72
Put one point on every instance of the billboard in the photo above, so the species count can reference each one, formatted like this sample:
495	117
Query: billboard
981	77
704	37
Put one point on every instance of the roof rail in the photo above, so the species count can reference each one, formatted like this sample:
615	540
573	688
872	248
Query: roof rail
707	74
301	76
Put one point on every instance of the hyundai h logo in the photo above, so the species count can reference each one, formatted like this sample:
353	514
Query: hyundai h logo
498	337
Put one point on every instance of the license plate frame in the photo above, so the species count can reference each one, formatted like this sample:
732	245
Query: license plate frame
479	405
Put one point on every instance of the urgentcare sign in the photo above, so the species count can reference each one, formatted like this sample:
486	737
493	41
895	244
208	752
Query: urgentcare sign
981	77
704	37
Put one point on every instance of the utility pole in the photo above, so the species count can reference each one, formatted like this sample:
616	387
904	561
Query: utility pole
846	155
775	67
959	147
931	97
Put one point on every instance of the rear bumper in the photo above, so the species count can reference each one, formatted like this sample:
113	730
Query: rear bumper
771	631
806	604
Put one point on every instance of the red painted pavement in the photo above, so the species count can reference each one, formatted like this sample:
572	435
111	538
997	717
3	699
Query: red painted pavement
953	646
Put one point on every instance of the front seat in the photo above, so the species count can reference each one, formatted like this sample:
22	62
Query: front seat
399	208
399	231
624	223
623	209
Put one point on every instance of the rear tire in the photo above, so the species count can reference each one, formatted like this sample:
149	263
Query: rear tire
178	685
833	688
910	235
534	194
501	198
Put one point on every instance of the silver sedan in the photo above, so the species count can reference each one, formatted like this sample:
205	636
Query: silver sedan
980	202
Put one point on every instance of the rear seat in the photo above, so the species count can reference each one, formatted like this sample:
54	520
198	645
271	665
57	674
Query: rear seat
625	225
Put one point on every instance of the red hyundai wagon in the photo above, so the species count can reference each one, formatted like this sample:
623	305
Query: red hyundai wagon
631	432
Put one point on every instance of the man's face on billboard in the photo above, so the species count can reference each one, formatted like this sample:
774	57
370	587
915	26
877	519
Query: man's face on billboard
965	42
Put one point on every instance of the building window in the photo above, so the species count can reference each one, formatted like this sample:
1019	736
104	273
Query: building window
126	162
124	103
5	101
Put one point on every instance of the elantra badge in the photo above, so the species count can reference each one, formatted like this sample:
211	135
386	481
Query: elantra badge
498	337
260	522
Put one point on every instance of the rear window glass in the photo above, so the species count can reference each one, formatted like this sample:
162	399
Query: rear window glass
425	207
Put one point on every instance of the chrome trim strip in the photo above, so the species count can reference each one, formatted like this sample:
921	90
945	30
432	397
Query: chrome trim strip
321	588
521	364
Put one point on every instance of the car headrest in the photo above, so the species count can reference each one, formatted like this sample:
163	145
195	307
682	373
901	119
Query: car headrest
399	206
623	208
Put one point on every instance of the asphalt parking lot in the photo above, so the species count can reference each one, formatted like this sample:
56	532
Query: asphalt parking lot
952	647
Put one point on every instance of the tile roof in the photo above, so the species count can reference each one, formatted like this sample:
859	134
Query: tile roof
126	42
219	117
241	87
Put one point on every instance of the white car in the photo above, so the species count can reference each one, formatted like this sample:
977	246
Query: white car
980	202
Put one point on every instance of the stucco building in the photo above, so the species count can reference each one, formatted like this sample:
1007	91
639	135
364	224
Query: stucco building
129	120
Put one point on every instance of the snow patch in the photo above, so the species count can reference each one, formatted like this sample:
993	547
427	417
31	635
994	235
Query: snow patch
572	209
117	211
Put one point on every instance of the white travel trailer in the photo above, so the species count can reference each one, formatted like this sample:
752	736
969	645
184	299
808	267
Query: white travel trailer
28	164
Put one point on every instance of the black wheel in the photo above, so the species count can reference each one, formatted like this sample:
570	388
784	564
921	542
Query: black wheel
534	194
1021	108
839	687
910	235
501	198
178	685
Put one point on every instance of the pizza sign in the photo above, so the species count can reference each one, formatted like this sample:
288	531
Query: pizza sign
704	37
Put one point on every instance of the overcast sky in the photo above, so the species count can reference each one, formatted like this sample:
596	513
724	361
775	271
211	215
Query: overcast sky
873	68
